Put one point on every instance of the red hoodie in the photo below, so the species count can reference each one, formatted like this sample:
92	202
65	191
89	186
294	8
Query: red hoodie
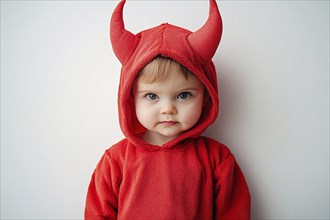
190	177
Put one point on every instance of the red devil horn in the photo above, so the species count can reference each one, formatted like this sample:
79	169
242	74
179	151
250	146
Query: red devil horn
205	41
123	42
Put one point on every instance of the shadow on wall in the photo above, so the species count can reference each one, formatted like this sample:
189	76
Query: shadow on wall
225	129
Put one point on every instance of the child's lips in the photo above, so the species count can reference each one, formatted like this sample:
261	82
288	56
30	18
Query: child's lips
168	122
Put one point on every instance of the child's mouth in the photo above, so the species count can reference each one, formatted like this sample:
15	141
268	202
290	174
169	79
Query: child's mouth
168	122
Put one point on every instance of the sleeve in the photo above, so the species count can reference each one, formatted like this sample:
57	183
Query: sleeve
232	196
102	195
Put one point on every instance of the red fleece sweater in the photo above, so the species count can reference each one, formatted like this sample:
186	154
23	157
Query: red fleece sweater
200	179
190	177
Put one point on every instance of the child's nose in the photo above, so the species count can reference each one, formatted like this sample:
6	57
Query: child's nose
168	108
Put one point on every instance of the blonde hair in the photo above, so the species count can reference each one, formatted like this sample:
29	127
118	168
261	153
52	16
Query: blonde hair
160	69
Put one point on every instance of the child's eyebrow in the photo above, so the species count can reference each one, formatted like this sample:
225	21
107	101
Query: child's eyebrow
189	88
178	91
145	91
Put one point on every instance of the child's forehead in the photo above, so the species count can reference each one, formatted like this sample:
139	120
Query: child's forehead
161	69
174	80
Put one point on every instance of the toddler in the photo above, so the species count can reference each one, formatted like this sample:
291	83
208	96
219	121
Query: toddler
164	168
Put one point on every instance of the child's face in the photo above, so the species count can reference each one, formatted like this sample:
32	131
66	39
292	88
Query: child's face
166	109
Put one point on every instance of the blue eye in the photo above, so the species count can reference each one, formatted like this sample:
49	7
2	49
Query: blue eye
184	95
151	96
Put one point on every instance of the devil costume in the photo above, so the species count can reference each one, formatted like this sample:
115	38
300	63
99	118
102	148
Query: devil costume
190	177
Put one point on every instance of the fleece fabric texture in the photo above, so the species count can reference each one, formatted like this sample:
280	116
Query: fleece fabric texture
190	177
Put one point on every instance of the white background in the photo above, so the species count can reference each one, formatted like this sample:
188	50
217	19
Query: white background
59	80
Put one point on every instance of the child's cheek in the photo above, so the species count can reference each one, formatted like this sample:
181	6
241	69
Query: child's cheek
193	111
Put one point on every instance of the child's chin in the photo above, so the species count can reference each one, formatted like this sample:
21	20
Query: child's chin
171	136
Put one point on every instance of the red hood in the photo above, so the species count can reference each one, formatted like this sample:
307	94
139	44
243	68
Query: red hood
135	51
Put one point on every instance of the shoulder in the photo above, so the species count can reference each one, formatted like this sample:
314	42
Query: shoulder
218	152
112	159
118	148
216	147
116	152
